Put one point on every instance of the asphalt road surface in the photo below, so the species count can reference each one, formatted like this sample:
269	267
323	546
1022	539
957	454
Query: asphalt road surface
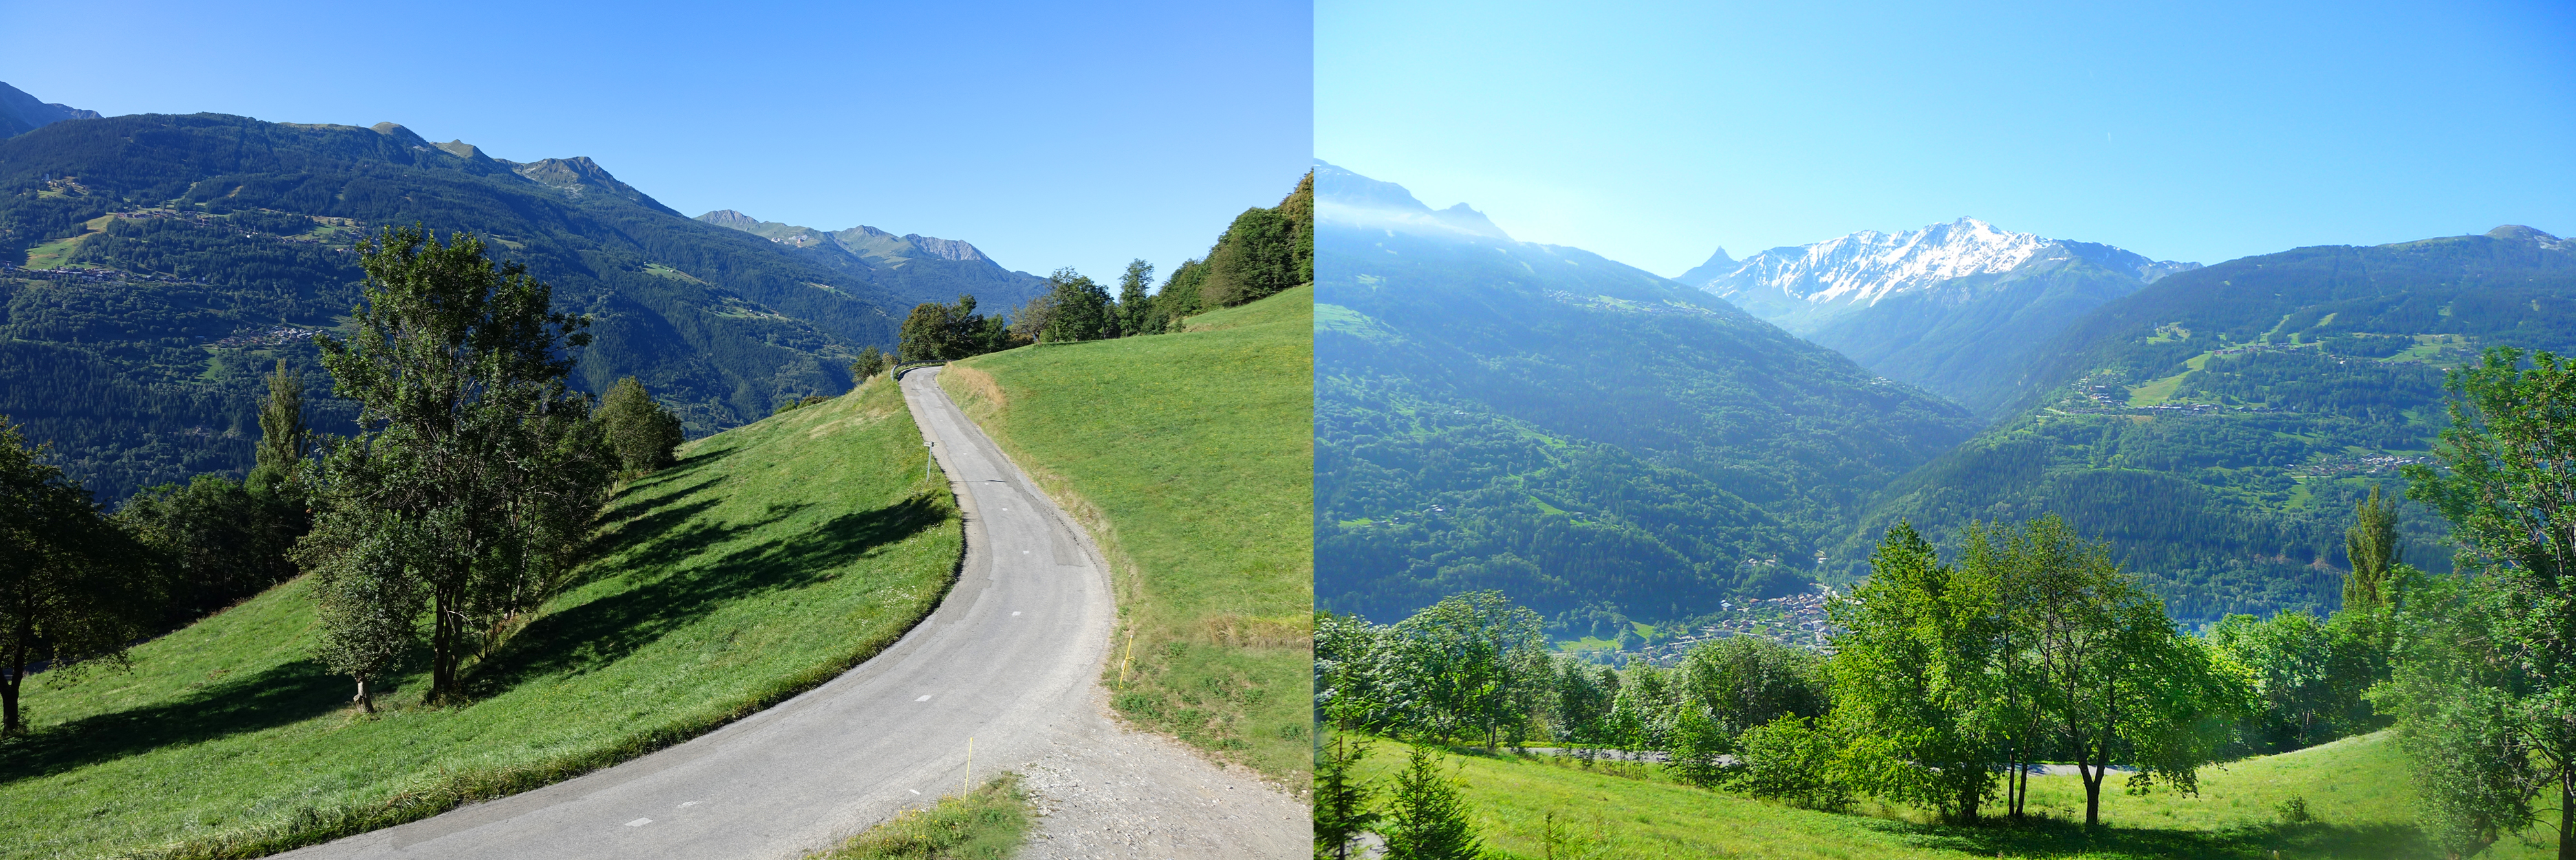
1009	661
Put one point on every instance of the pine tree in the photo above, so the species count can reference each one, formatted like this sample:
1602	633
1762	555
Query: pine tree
2371	544
283	439
1428	819
1341	800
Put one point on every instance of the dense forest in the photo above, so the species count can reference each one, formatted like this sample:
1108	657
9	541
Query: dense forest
2217	425
155	263
1572	431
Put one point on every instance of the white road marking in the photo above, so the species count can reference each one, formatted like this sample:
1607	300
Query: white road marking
922	699
1015	613
688	804
914	790
639	822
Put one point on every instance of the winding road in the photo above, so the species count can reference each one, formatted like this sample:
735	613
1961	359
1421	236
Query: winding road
1008	661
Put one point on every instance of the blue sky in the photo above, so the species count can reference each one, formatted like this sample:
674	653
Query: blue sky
1046	134
1653	132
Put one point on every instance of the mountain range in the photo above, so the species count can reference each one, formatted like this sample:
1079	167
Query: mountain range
1586	436
1955	307
151	266
21	113
916	268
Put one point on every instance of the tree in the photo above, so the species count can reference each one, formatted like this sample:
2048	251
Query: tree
1081	310
869	363
937	332
217	541
1264	251
1472	664
1910	675
73	590
1183	294
1793	759
370	608
2499	688
1341	799
283	439
2372	547
641	433
473	455
1426	817
1135	305
2308	675
1746	681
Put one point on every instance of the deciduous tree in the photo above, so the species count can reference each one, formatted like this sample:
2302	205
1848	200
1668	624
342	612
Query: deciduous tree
470	442
73	589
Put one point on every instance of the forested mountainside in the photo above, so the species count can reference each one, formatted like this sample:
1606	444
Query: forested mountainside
158	263
1573	431
1957	308
911	268
21	113
2219	425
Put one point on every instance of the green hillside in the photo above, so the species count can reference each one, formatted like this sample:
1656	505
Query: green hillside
146	262
1976	351
2356	792
2219	425
1190	457
1589	438
769	559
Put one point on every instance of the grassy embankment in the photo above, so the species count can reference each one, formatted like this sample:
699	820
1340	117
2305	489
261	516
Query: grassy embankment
988	823
769	559
2356	792
1190	457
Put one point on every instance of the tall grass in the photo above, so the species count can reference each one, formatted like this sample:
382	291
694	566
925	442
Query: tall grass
768	560
988	823
1190	457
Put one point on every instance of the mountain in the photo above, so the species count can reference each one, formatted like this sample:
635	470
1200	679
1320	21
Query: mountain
915	268
156	264
21	113
1955	308
2219	425
1588	437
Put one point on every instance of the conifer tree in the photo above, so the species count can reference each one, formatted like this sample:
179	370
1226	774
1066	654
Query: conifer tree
1427	819
283	438
2371	544
1341	799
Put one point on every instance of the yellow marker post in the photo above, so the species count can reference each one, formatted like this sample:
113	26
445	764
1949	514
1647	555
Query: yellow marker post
966	782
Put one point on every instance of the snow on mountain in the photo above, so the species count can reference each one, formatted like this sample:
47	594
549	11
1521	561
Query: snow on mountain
1801	286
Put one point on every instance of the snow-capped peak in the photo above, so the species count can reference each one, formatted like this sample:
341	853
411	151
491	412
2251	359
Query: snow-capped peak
1814	282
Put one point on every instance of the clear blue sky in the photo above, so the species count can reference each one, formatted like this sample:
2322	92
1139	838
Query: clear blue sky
1653	132
1047	134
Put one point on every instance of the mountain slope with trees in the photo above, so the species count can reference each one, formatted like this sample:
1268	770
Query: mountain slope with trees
2219	426
1580	434
156	265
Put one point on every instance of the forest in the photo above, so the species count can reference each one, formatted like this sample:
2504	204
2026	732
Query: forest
2215	425
1500	415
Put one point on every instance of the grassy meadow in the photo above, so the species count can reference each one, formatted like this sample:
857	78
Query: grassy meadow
1190	457
770	558
2356	793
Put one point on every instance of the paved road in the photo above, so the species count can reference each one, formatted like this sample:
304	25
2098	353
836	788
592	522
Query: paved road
1009	660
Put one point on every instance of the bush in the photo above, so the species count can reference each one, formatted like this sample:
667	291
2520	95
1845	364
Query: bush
1791	759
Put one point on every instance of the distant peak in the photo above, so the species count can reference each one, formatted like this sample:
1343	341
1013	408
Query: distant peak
1718	265
460	149
579	175
21	113
730	218
2519	233
945	249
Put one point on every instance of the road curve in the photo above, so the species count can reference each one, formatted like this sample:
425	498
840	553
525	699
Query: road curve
1008	660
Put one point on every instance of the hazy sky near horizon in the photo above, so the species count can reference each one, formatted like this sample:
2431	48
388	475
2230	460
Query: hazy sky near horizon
1654	132
1047	134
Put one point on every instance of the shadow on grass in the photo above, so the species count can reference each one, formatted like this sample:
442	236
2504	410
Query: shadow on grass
2054	838
595	634
278	696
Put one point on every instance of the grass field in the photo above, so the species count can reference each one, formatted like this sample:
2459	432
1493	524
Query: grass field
769	559
1190	457
2356	791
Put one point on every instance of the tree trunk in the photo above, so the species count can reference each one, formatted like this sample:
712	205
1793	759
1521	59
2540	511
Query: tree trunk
9	722
365	702
2566	813
443	645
